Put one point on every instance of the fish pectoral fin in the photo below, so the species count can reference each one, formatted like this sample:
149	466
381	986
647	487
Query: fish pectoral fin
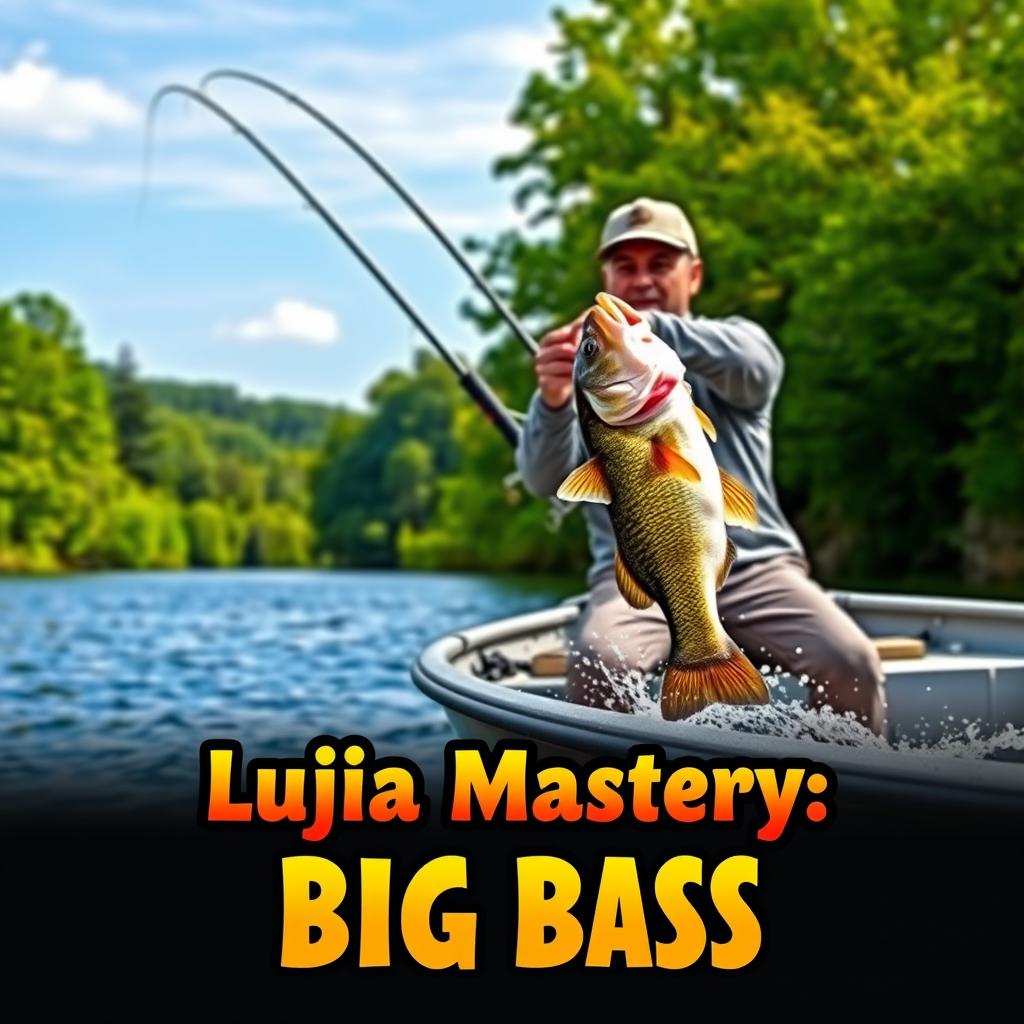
668	459
587	483
730	557
632	592
706	425
739	504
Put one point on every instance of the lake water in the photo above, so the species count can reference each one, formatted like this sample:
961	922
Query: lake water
109	682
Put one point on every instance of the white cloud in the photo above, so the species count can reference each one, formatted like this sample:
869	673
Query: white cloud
289	320
37	99
506	45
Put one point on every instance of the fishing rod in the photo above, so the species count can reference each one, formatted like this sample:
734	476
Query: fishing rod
338	132
472	383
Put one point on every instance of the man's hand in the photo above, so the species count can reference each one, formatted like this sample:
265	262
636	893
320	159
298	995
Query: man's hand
553	362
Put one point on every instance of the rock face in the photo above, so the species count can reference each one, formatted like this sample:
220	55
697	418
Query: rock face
993	549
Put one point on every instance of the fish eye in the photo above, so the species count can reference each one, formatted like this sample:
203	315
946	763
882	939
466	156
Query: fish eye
590	348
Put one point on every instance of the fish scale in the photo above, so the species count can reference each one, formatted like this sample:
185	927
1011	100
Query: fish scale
662	530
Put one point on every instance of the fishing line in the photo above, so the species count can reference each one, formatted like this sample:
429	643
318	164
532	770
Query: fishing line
338	132
470	381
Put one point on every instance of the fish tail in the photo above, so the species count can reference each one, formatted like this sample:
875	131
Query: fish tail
730	679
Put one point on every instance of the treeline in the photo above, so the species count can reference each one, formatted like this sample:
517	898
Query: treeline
102	469
95	472
285	421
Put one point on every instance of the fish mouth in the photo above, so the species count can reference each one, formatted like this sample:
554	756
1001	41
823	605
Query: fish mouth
658	395
615	387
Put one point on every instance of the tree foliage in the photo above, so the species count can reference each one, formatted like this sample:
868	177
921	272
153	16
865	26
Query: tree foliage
94	472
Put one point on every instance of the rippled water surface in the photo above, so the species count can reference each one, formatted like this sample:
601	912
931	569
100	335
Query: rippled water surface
109	683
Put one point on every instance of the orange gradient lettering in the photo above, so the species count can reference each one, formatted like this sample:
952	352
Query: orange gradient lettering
684	787
603	787
670	892
472	781
643	775
303	912
459	947
619	894
536	912
292	806
745	942
728	782
779	802
375	906
557	799
221	806
395	797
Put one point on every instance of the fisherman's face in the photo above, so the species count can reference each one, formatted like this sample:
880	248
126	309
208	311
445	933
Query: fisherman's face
652	275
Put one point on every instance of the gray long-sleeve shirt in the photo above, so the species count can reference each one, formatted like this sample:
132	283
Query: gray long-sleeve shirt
735	370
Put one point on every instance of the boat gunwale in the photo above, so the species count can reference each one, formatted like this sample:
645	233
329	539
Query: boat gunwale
585	728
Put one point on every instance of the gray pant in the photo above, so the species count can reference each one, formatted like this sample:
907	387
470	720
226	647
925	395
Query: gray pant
771	608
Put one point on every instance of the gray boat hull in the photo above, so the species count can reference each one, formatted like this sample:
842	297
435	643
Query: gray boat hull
974	670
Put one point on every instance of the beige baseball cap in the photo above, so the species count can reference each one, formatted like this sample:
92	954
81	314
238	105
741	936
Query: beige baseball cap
648	218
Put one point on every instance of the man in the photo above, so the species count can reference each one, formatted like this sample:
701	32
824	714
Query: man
769	604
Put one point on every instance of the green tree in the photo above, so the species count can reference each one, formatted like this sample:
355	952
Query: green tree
132	410
377	471
180	460
208	535
278	536
58	467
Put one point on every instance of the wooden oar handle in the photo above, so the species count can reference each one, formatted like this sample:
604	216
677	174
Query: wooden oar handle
556	662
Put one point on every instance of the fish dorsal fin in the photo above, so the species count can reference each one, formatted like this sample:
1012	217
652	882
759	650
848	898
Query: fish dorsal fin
740	506
634	594
668	459
706	425
587	483
730	557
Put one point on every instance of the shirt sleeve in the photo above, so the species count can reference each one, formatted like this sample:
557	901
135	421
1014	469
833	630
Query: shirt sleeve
550	446
735	356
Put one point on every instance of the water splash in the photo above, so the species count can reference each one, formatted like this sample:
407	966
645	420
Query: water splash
619	687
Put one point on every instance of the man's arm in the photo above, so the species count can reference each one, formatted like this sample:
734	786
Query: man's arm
736	357
550	447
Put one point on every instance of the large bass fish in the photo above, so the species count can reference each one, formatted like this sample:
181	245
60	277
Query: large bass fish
668	500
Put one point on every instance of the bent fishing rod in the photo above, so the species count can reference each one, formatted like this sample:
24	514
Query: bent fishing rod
472	383
339	133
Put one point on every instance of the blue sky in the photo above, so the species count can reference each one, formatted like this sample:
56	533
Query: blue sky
224	276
